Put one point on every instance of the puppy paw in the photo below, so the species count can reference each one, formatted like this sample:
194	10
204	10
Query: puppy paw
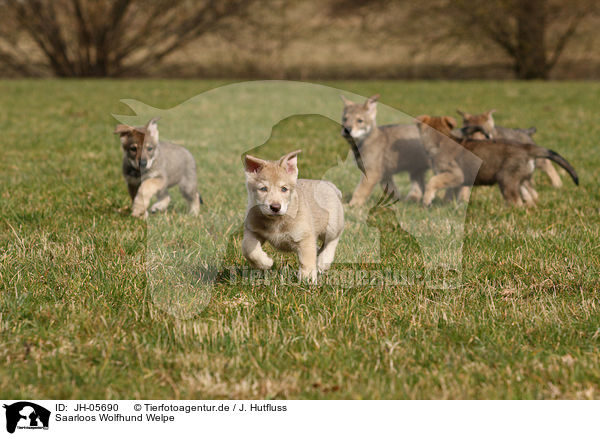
323	266
195	206
155	209
309	275
354	202
414	196
137	213
263	263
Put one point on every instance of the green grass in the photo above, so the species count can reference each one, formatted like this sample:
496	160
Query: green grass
78	319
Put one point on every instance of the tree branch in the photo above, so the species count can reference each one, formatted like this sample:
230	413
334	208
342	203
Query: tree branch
564	39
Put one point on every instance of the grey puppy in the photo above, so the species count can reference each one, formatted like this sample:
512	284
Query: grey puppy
382	151
151	167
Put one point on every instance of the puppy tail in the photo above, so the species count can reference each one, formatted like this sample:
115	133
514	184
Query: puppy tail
555	157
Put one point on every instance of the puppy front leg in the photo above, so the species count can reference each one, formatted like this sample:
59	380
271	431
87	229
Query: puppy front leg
307	257
460	194
144	194
327	254
252	250
451	194
133	189
363	190
389	186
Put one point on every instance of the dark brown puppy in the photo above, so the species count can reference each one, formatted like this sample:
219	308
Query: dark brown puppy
461	162
486	121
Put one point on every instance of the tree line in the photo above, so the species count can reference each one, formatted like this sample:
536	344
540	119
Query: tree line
113	38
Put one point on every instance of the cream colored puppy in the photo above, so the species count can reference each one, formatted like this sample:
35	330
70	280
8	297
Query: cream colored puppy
291	214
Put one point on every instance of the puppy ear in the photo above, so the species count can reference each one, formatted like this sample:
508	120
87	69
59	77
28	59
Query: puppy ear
253	164
122	129
290	162
463	114
152	129
490	112
450	122
371	105
531	131
346	101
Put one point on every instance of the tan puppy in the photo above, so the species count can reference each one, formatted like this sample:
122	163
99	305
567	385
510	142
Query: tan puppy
291	214
456	164
486	121
381	152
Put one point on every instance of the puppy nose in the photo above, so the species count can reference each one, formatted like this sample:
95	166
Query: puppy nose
143	163
275	207
346	131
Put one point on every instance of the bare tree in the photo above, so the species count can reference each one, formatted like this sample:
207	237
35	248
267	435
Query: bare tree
532	33
271	29
82	38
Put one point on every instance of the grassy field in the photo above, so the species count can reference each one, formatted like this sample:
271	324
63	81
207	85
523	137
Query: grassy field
77	319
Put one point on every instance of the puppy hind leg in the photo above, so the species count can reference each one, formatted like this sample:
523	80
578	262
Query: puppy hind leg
163	200
526	196
189	191
546	166
511	192
389	186
195	205
528	193
417	186
531	190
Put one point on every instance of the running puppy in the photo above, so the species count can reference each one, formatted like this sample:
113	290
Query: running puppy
525	136
291	214
381	152
151	167
455	162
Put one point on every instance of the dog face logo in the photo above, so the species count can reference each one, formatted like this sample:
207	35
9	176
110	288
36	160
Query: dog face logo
26	415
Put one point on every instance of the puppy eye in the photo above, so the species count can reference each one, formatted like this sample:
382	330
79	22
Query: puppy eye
150	148
360	120
284	189
344	119
263	189
133	148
